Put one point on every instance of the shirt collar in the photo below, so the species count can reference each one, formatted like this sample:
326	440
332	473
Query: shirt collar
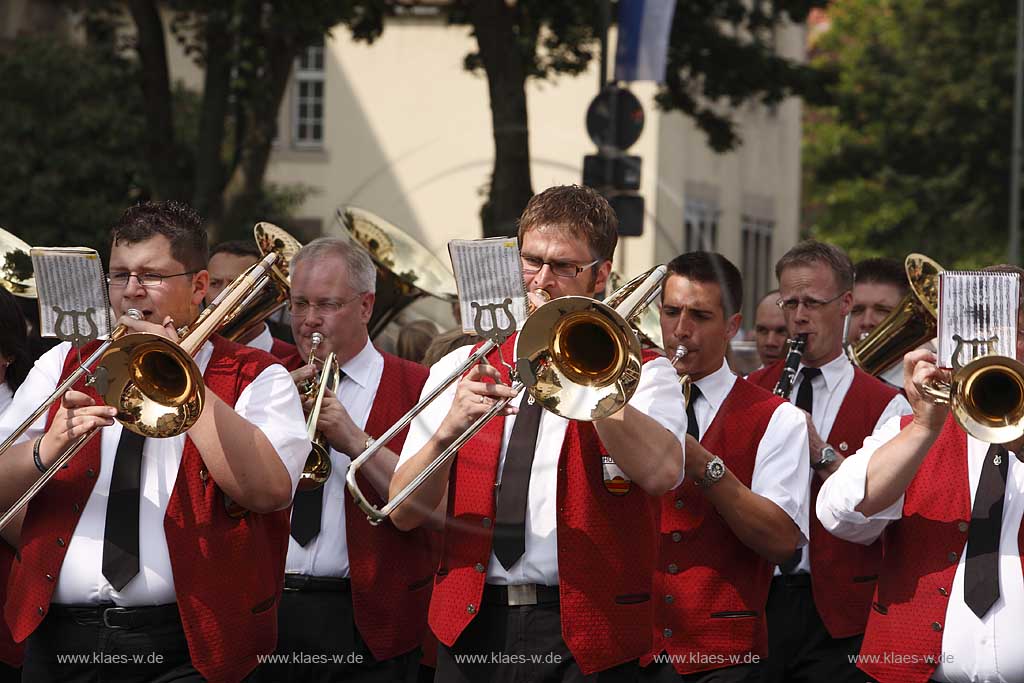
360	368
262	341
716	386
834	370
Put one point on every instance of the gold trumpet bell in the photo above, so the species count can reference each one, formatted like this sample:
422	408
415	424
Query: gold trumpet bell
988	399
579	357
154	383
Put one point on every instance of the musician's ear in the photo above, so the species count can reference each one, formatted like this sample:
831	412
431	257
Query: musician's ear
200	286
732	325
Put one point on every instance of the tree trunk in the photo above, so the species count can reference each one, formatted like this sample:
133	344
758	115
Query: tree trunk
209	181
156	90
511	188
245	187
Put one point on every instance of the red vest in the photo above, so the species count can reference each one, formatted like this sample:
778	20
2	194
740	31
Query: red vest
909	608
391	570
287	354
843	574
228	573
718	586
11	653
606	546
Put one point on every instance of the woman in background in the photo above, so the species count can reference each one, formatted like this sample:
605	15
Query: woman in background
15	361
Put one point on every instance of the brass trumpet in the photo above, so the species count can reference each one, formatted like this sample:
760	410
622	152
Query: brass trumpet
153	382
317	469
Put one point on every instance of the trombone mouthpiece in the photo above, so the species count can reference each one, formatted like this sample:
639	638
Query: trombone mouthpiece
134	313
542	293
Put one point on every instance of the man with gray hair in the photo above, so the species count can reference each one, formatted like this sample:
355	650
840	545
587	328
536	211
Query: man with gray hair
360	614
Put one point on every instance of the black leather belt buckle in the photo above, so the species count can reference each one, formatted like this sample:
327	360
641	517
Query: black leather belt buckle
117	617
521	595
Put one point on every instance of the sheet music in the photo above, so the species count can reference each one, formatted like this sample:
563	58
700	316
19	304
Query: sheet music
978	307
487	272
72	293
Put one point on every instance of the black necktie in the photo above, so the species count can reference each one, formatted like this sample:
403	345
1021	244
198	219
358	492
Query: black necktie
804	401
307	506
510	514
692	428
981	569
121	532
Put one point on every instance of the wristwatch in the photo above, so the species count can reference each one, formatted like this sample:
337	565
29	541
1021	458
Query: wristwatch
828	456
713	471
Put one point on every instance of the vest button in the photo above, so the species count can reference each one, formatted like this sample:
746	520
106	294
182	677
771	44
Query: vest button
479	567
962	526
936	626
679	503
486	522
41	611
676	537
76	508
673	569
667	633
90	473
952	557
943	592
471	608
60	542
49	577
669	599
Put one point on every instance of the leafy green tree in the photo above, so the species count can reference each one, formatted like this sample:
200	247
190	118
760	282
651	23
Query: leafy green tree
71	132
720	57
915	153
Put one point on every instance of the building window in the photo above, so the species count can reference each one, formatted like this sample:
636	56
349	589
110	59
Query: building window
700	230
756	249
308	115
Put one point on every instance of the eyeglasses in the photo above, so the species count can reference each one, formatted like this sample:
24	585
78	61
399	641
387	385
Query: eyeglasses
144	279
567	269
808	302
300	308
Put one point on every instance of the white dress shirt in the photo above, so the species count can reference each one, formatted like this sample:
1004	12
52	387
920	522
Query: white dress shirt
830	389
262	341
780	465
973	650
6	396
658	395
327	553
270	402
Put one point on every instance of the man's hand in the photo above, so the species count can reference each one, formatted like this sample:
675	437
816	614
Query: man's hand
302	376
337	425
165	329
474	397
77	415
920	371
816	444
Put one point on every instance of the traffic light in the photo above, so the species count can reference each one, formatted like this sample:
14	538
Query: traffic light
615	119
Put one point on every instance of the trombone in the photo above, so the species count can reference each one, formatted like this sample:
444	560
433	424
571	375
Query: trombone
317	469
579	357
153	382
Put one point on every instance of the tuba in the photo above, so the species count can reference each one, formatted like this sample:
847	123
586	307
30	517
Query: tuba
154	383
406	270
912	323
264	303
318	467
578	357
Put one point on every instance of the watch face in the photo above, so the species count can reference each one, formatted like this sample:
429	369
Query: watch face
715	469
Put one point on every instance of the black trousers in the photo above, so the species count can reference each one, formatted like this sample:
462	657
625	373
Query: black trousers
518	645
666	673
317	640
800	648
75	646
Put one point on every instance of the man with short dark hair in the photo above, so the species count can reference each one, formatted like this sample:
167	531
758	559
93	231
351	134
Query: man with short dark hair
820	598
546	575
770	333
879	286
228	260
747	450
130	565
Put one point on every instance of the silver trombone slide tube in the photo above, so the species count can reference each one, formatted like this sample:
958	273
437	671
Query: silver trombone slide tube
377	515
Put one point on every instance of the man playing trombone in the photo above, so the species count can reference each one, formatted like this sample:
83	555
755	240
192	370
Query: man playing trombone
130	565
549	570
947	506
356	595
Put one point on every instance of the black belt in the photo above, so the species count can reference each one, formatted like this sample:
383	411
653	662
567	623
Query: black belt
110	616
798	580
326	584
521	594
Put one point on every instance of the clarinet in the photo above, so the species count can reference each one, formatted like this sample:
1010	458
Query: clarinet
789	368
